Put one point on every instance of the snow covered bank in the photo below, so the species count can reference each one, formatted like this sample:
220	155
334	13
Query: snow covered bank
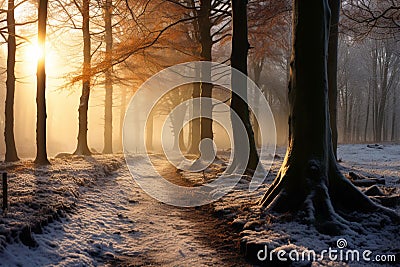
261	233
40	194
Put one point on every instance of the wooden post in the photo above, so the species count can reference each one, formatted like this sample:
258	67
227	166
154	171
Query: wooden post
5	192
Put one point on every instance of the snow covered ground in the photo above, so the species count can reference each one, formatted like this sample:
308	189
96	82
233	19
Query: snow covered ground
277	233
114	223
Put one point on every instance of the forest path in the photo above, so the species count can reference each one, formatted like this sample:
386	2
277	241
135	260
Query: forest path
115	223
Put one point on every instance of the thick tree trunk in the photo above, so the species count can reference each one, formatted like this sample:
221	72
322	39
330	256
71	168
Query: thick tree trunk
41	151
206	131
11	151
82	146
332	70
309	179
195	124
108	148
240	47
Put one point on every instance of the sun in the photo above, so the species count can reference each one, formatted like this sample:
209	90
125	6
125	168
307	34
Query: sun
32	53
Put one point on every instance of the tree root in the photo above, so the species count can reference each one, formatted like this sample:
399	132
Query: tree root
324	198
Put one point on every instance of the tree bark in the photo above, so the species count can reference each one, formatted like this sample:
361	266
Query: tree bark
11	151
195	124
309	179
41	151
332	70
240	47
206	131
108	148
82	146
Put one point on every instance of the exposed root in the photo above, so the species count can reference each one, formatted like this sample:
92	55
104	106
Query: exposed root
324	198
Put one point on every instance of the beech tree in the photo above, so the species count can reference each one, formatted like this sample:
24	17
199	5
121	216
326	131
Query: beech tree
11	151
240	47
82	145
41	151
309	178
334	6
108	120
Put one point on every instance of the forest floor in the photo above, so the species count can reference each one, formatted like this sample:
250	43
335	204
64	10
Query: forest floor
110	221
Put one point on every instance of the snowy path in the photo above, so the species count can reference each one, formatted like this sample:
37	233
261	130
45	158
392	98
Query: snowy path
116	223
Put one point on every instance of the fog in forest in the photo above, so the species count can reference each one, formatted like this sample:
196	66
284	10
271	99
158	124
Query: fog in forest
368	77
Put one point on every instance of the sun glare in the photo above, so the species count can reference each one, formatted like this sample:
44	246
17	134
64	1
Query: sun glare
32	53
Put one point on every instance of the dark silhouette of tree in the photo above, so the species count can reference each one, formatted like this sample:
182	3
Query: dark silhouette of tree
309	178
206	43
240	47
195	124
41	151
11	151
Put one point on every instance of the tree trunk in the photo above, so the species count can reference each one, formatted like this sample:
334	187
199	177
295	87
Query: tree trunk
149	132
177	121
206	131
182	145
309	179
393	132
41	151
332	70
367	114
122	110
375	92
240	47
257	68
349	117
195	123
11	151
108	148
82	146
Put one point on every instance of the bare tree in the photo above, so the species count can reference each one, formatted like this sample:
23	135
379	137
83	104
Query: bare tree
108	119
41	151
332	70
11	151
375	18
240	47
309	178
82	146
